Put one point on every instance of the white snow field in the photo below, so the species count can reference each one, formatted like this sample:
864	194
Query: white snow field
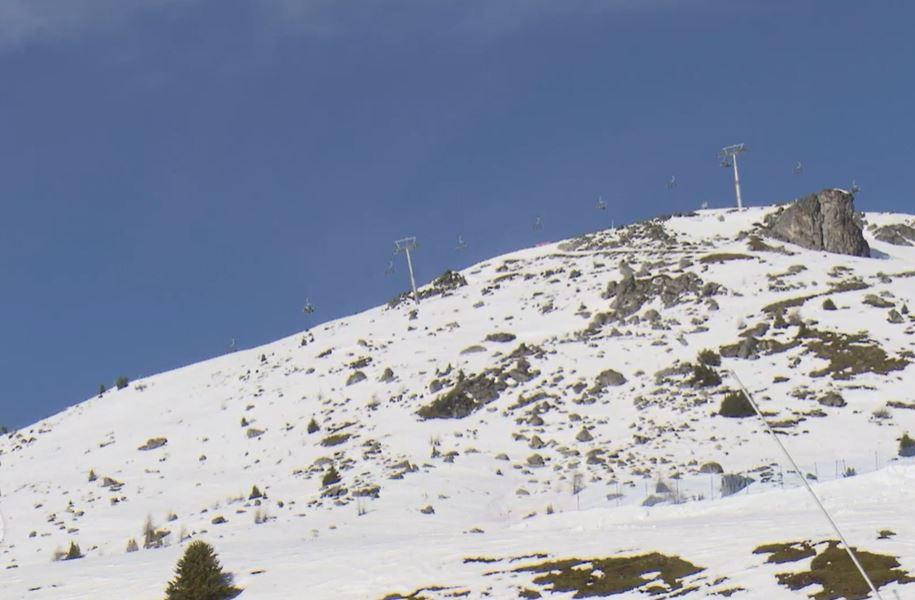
457	449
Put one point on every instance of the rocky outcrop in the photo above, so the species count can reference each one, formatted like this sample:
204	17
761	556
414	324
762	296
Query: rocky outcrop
471	393
630	294
442	285
822	221
898	234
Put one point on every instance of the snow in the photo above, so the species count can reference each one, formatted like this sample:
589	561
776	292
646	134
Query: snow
646	431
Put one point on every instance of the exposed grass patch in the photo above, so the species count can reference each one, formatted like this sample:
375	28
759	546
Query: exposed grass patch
849	354
755	244
848	285
782	305
786	552
833	570
722	257
335	439
418	594
600	577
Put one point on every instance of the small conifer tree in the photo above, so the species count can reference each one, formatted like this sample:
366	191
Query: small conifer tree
199	576
736	405
331	476
906	446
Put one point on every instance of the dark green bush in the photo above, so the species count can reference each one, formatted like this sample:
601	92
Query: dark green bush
121	382
704	376
199	576
313	426
710	358
736	405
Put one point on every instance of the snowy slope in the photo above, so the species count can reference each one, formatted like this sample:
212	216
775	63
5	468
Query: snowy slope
418	495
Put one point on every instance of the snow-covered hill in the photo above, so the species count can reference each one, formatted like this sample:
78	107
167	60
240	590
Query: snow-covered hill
460	429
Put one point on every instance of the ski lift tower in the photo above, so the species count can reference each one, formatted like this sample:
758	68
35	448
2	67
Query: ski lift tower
728	156
405	245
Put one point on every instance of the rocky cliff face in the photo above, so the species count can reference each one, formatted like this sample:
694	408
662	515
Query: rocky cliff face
822	221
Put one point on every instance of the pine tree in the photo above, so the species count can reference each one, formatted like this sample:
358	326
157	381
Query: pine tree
199	576
330	477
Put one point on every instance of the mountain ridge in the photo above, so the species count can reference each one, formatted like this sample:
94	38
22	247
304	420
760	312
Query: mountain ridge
572	366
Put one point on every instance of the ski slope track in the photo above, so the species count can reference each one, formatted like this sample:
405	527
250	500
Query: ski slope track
460	430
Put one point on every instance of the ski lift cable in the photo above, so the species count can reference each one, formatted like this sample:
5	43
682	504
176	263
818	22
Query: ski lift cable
816	499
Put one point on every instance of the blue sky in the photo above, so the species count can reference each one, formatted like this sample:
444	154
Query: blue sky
178	173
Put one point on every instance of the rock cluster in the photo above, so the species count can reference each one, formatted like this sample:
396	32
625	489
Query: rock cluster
898	234
630	294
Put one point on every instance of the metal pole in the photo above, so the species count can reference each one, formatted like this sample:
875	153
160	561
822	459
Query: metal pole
412	280
736	181
822	508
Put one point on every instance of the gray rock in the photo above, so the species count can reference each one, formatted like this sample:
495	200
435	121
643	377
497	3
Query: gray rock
608	378
631	293
822	221
473	349
744	349
501	337
536	443
356	377
733	483
535	460
153	443
832	399
584	436
894	317
877	302
652	500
